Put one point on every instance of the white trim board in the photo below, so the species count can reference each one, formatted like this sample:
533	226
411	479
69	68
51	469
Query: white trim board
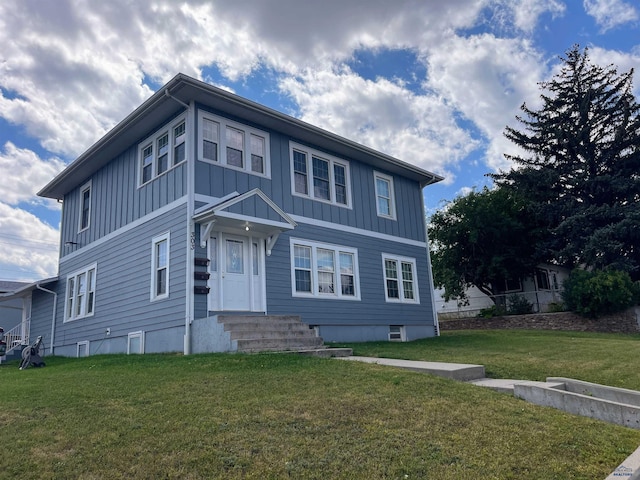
130	226
357	231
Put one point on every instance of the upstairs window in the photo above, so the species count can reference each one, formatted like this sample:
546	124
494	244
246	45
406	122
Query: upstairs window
179	148
400	279
385	202
162	151
80	296
85	207
233	145
319	176
324	271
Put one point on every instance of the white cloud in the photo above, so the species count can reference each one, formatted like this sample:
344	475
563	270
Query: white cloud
23	174
523	14
609	14
527	12
28	246
487	79
419	129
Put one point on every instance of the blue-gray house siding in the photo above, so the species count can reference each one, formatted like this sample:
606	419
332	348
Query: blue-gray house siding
125	217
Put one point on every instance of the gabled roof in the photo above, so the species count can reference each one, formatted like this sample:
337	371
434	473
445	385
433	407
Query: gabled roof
24	288
274	215
181	90
10	286
270	222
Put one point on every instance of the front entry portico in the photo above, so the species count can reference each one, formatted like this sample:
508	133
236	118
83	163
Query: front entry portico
237	246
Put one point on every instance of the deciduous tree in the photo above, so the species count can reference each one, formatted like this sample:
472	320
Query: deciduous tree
481	239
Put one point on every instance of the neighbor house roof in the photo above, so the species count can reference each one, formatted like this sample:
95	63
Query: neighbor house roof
22	288
170	99
10	286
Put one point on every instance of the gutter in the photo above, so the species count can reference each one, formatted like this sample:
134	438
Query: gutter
53	316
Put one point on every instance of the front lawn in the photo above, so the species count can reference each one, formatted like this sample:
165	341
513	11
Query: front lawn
276	416
609	359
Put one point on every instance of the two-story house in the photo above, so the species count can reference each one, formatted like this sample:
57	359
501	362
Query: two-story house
201	204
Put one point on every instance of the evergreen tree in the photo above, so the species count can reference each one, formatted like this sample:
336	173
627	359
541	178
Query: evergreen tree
581	170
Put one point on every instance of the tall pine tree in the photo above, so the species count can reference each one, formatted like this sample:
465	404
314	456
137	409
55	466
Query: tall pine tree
581	169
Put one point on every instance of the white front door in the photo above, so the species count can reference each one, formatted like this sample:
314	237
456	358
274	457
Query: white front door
236	288
237	281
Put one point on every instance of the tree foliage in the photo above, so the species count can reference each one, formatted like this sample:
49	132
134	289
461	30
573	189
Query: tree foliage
481	239
580	171
596	293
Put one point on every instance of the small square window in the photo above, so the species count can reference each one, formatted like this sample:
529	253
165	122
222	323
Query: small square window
135	343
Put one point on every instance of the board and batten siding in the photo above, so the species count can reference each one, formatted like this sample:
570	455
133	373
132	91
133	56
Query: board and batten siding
217	181
116	199
371	309
123	286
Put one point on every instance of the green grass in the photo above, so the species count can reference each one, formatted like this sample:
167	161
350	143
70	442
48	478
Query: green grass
284	416
609	359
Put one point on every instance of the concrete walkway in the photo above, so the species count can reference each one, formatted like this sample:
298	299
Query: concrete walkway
455	371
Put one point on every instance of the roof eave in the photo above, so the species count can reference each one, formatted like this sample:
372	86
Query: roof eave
185	89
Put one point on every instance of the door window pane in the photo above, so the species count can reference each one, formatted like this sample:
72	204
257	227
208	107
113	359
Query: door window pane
235	261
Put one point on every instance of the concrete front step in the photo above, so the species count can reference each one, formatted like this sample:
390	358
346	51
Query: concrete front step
327	352
279	343
269	334
257	333
256	319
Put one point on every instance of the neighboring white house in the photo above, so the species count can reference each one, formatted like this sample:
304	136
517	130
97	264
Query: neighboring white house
541	290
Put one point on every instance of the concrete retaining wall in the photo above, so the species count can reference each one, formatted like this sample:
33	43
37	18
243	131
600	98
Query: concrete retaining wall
624	322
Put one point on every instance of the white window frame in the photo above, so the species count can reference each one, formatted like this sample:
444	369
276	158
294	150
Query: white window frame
85	344
72	298
392	198
336	249
397	333
309	154
152	141
165	237
221	154
139	334
414	271
85	188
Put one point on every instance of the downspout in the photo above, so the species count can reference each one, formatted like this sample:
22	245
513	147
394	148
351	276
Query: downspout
436	323
191	234
190	246
53	316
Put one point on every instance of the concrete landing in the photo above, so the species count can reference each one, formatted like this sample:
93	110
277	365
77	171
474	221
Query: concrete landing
326	352
505	385
455	371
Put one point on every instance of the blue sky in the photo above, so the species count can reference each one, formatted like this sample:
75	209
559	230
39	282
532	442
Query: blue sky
432	83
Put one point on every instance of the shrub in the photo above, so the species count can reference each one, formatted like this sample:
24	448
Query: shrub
555	307
492	311
597	293
519	305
